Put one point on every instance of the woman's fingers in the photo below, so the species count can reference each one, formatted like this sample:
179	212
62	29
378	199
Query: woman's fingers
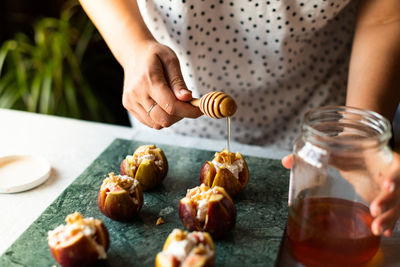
388	197
385	222
165	98
157	114
287	161
154	116
152	92
166	88
173	75
386	206
142	116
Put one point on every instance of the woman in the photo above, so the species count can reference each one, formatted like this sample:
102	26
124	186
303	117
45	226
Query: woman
277	59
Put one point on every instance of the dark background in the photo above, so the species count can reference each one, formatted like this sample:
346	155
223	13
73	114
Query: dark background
102	71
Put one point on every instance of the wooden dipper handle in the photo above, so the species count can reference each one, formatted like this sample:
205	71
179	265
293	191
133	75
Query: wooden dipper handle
216	105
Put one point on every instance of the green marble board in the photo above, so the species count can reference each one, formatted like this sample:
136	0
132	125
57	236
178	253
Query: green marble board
261	212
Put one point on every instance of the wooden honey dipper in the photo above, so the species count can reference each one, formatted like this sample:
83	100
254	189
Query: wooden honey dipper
216	105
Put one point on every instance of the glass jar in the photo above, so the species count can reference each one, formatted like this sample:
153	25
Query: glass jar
337	171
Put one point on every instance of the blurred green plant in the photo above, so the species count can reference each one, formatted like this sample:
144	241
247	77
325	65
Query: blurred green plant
43	73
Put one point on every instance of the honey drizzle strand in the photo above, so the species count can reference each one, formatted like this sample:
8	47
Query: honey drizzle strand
228	129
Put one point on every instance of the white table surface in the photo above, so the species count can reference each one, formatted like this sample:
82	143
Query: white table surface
71	145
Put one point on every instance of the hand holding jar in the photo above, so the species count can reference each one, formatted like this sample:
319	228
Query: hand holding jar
386	206
343	186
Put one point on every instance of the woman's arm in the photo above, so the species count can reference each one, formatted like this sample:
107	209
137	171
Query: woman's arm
154	89
374	75
374	84
121	25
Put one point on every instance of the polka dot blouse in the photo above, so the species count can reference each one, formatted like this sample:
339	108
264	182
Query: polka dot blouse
276	58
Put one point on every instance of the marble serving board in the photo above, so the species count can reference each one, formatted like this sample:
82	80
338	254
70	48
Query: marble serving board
255	241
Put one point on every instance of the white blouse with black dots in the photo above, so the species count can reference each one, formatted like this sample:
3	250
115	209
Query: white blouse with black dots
276	58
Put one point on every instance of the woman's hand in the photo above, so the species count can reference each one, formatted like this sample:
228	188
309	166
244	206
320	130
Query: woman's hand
154	89
386	206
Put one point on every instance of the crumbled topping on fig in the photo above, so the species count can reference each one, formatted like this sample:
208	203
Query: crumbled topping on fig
178	234
75	224
235	168
142	153
180	249
124	181
200	196
185	245
131	163
202	207
199	192
231	161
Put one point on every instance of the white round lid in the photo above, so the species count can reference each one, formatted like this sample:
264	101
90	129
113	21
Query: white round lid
22	172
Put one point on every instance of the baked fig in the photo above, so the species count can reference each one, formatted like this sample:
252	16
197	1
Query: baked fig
228	170
120	197
208	209
183	249
81	242
148	165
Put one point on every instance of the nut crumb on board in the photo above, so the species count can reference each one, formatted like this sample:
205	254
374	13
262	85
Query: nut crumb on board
160	221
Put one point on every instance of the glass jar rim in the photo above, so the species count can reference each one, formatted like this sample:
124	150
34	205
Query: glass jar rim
376	122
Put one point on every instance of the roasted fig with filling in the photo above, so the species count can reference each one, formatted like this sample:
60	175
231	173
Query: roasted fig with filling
148	165
228	170
183	249
120	197
81	242
208	209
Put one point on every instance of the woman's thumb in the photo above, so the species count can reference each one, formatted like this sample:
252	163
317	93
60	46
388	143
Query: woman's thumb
174	77
180	90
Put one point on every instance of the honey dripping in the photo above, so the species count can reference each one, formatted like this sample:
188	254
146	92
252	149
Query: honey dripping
228	131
